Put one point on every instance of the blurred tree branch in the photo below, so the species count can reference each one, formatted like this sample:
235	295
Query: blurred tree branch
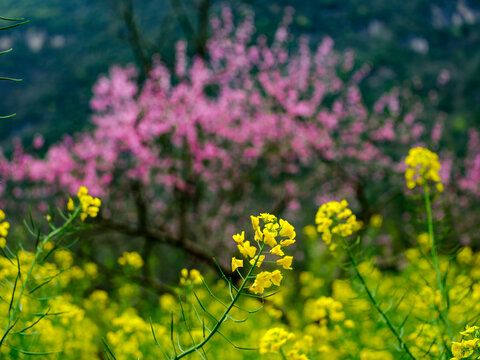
199	251
197	37
147	283
183	19
203	15
127	12
196	32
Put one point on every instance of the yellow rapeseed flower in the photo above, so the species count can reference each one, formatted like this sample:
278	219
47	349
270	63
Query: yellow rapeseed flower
196	276
277	250
287	229
247	250
376	221
469	331
276	277
273	339
239	238
287	242
465	255
465	348
70	205
262	281
276	234
90	205
236	263
82	190
422	166
191	277
335	218
4	226
269	238
260	260
132	259
462	350
286	262
424	242
268	218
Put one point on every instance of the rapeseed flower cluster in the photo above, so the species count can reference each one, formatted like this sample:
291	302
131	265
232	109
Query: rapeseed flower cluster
90	205
336	219
277	234
424	242
424	337
318	323
323	310
301	348
336	320
465	256
422	166
376	221
131	335
4	226
274	339
192	277
467	347
132	259
65	332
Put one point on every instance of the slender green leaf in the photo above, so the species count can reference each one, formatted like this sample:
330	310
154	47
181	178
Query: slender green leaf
108	350
13	25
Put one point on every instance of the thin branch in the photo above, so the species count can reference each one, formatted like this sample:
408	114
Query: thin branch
161	237
134	37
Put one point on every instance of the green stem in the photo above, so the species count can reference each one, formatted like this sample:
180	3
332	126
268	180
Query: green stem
225	313
402	344
436	266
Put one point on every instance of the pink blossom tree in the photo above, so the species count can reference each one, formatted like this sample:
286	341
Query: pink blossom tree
181	157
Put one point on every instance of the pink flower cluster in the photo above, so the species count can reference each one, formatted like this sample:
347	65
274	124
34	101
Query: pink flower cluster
471	176
254	111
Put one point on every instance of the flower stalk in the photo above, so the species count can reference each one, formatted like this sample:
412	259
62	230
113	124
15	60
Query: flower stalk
441	288
374	302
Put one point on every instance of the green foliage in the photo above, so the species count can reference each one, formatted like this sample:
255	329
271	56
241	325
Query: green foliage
13	23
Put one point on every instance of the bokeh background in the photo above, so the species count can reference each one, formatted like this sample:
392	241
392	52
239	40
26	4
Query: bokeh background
68	44
422	54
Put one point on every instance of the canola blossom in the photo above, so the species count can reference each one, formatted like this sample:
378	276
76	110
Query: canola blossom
90	206
423	166
4	226
132	259
324	310
468	346
336	219
277	234
38	273
274	339
190	277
